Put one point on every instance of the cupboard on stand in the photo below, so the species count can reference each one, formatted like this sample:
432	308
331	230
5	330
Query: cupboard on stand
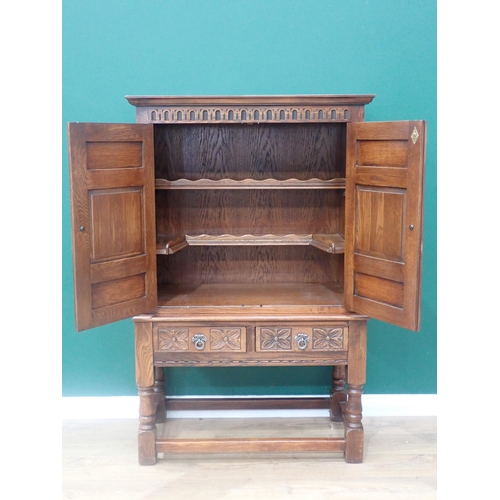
248	231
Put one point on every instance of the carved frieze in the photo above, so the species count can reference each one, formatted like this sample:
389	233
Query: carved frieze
275	339
225	339
328	339
173	339
247	114
250	109
302	338
200	339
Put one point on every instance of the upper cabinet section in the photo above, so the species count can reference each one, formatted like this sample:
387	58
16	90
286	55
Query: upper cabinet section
249	109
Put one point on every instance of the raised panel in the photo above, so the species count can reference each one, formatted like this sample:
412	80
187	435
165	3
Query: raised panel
103	155
379	222
377	153
117	291
120	233
390	270
113	270
372	287
382	176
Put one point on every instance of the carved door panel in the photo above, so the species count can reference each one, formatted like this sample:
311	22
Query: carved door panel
113	217
384	195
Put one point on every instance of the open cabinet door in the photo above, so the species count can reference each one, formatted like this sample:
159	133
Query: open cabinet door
383	240
113	218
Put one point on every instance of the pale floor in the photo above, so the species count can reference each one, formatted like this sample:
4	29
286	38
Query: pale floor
100	462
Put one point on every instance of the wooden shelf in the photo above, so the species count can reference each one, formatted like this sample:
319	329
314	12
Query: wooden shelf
313	183
330	243
252	297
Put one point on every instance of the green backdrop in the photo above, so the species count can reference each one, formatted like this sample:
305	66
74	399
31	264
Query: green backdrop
114	48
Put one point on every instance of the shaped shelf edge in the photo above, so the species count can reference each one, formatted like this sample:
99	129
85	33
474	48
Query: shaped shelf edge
330	243
314	183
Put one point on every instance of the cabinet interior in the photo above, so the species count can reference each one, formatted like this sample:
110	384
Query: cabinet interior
250	215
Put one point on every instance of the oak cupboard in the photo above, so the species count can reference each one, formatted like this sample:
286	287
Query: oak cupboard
248	231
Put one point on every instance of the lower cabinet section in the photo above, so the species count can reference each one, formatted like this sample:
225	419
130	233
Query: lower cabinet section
340	344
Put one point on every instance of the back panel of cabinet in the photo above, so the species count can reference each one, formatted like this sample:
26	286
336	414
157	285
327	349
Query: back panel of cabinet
274	224
258	151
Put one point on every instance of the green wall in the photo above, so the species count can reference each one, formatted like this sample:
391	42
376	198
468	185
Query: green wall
114	48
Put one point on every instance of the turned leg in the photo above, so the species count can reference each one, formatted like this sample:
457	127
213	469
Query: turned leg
356	377
338	393
147	427
144	372
159	395
354	432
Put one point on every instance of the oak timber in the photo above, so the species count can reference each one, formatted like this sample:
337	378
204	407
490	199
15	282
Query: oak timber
248	231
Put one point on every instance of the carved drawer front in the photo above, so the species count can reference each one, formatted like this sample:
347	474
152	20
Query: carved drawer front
302	338
199	339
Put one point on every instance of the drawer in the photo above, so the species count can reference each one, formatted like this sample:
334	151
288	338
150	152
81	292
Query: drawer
199	338
302	338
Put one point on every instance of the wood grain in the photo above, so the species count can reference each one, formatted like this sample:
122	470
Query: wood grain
250	445
255	100
307	109
248	264
99	461
258	152
250	229
190	404
112	205
384	194
330	243
270	211
251	294
313	183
